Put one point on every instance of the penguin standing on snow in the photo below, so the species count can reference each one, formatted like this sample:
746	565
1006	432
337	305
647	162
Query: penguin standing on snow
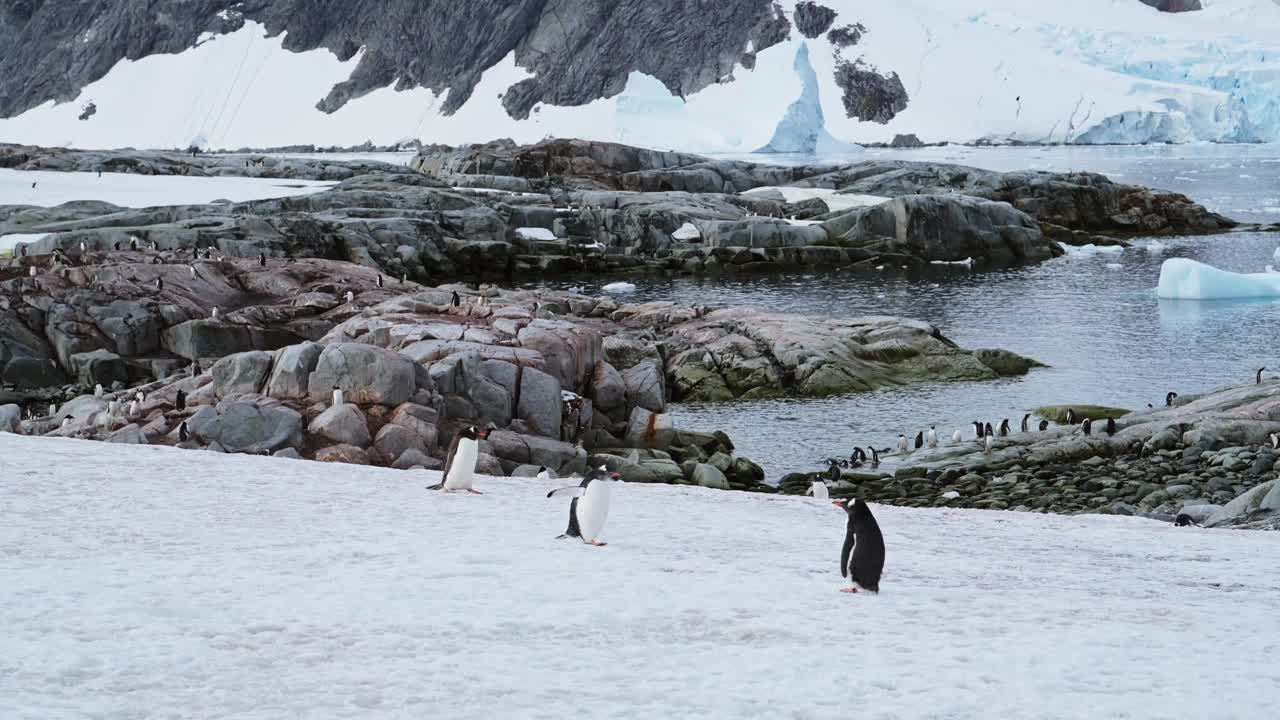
1004	428
818	486
1026	422
460	465
862	556
181	402
1111	427
1087	427
590	506
904	446
1071	416
931	437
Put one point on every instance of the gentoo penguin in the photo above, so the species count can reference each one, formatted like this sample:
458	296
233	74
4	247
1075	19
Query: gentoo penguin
1071	416
66	421
350	297
192	268
590	506
931	437
456	300
833	470
133	408
956	437
180	403
989	443
380	282
1026	422
987	431
262	259
160	284
818	488
1184	520
85	249
1111	427
53	410
1260	375
97	390
337	396
1044	425
875	457
1004	428
1169	398
183	434
32	271
858	456
1275	441
133	242
919	440
977	427
1087	427
460	464
903	445
862	556
214	314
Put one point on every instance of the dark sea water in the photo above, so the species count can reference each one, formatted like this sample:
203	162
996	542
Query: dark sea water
1094	319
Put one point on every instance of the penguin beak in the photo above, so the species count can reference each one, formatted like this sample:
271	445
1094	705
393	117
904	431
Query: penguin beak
615	476
838	504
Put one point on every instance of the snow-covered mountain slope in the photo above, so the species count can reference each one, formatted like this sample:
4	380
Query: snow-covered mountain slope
742	77
152	582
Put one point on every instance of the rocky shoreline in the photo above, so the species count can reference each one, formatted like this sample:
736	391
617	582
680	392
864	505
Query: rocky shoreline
1210	457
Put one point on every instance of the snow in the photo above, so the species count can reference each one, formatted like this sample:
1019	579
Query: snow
836	201
139	191
1183	279
534	233
619	287
1089	71
687	232
152	582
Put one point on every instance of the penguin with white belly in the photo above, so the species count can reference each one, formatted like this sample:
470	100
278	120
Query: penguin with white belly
460	465
590	506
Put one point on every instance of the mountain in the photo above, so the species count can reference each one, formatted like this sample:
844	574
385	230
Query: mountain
686	74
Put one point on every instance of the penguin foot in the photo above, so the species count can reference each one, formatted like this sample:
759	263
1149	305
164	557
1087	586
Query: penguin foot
597	543
436	487
849	590
474	492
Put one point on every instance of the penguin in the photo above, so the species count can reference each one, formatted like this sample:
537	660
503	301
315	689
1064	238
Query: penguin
133	408
262	259
1026	422
160	284
1169	398
97	390
956	437
337	396
1087	427
380	282
404	278
1044	425
903	445
183	434
875	457
116	245
931	437
84	249
1275	441
862	556
32	271
112	407
544	474
22	250
919	440
457	299
139	396
589	508
833	471
1260	375
53	410
66	421
1004	428
858	456
1071	416
1111	427
214	314
460	464
987	431
192	268
351	297
818	488
989	444
180	403
1184	520
133	242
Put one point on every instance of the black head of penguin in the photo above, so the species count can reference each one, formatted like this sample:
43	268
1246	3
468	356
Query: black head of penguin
862	556
471	432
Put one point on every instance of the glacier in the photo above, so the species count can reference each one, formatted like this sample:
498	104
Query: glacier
1184	279
1090	71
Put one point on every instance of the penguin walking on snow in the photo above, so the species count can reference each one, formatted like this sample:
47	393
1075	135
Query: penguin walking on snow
1026	422
862	556
931	437
460	465
183	433
590	505
818	487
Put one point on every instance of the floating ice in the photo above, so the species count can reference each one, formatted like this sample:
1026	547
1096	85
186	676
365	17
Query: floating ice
1114	266
1183	279
1090	250
967	261
1155	247
619	287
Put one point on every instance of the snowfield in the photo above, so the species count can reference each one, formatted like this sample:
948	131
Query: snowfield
143	582
139	191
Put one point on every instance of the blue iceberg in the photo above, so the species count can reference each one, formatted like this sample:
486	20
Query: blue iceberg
1183	279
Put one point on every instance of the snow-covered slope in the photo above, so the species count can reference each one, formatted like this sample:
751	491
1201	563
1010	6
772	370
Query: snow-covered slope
151	582
1090	71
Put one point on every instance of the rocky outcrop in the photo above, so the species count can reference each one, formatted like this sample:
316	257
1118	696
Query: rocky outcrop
1174	6
812	19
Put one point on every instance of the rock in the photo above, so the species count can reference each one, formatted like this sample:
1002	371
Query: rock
540	403
1005	363
243	427
343	424
292	369
128	435
287	454
1058	413
646	386
412	458
241	374
349	454
533	450
488	465
11	419
709	476
394	440
100	367
207	339
648	430
1262	498
608	390
366	374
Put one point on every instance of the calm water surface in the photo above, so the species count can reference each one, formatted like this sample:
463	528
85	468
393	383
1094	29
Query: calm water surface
1095	320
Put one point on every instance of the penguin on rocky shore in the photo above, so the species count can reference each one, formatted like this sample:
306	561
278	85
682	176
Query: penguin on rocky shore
931	437
987	431
1087	427
1169	398
456	299
862	555
977	428
1071	416
1026	422
919	440
589	508
1260	375
460	464
180	402
1004	428
1111	427
875	457
1044	425
1275	441
904	446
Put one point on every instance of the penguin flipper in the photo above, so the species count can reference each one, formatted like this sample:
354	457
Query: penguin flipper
573	530
572	491
849	540
437	486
